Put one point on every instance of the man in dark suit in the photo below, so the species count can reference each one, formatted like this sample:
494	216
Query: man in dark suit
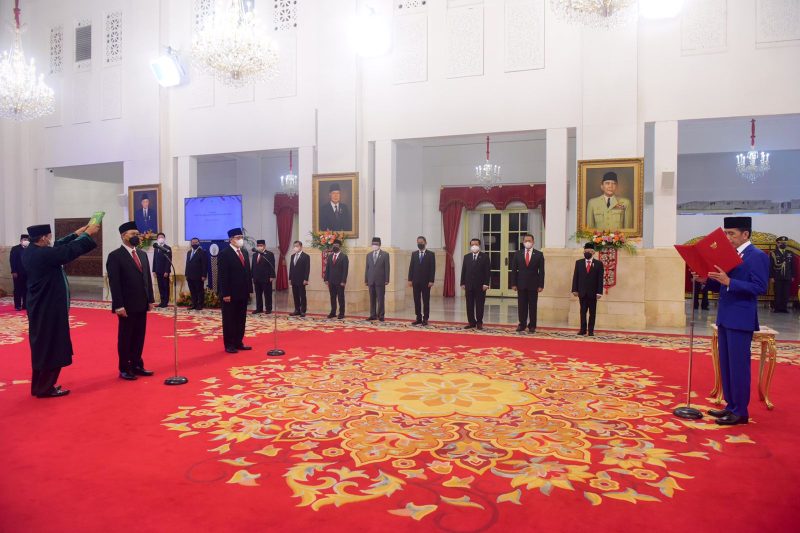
336	277
421	275
263	268
587	285
376	278
131	298
18	272
475	274
196	272
527	278
145	217
781	270
235	284
299	269
161	268
48	303
333	214
737	318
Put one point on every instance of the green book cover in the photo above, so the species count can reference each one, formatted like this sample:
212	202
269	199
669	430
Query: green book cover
97	218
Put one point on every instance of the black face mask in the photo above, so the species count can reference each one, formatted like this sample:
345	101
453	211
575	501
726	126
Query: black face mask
781	246
134	241
336	249
420	246
587	255
195	246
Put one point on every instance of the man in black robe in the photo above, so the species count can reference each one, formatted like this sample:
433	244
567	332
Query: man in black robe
48	303
18	272
131	298
235	287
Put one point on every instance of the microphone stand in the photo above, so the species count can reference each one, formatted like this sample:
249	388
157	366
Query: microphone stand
687	411
275	351
176	379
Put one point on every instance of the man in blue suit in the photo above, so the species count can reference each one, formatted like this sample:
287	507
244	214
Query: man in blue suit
737	319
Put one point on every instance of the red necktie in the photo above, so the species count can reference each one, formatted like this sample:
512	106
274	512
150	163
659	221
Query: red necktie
136	260
334	258
527	257
241	257
588	266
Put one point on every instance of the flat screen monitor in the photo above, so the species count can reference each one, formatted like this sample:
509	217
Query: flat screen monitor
210	217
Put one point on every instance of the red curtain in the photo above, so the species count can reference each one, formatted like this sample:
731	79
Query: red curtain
451	219
285	209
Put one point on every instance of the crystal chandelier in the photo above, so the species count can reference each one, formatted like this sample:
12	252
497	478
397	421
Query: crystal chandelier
595	13
289	181
754	164
488	174
23	95
232	45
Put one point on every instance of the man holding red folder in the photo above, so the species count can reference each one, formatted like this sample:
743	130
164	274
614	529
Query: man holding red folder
737	318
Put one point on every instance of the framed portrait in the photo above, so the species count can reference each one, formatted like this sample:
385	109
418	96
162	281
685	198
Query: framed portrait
611	195
335	203
144	207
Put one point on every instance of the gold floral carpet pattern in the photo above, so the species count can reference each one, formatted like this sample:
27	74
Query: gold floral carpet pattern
484	426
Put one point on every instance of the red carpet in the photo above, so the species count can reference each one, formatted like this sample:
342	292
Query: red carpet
386	428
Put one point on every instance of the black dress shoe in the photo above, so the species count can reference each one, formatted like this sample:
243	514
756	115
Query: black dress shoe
731	420
20	309
520	329
268	312
55	393
424	322
719	413
590	334
381	319
257	312
331	315
582	332
243	347
302	315
127	375
531	330
142	372
417	322
295	313
162	305
479	326
231	350
370	318
340	317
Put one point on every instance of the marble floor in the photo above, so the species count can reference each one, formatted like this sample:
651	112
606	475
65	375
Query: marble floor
504	311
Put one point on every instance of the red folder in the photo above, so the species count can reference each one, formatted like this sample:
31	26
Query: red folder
713	249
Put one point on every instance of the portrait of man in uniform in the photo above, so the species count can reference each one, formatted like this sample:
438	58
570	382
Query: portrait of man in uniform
610	196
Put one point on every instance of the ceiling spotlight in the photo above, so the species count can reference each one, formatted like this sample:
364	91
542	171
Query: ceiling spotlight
660	9
168	69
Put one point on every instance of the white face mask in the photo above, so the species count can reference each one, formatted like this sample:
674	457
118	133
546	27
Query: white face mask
528	245
25	243
161	240
375	247
296	249
475	248
260	248
238	243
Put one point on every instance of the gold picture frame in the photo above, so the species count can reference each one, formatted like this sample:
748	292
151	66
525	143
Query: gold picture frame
136	195
345	220
623	210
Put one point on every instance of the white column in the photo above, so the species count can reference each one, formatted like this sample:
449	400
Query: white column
665	190
556	169
186	188
385	190
305	171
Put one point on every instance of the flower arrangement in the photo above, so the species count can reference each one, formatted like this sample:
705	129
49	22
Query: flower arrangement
211	299
605	239
146	239
323	240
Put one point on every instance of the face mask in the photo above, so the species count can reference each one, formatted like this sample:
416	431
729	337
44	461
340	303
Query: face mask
260	249
195	246
161	240
528	245
781	246
336	249
420	246
134	241
587	255
26	243
238	243
475	248
296	249
376	247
